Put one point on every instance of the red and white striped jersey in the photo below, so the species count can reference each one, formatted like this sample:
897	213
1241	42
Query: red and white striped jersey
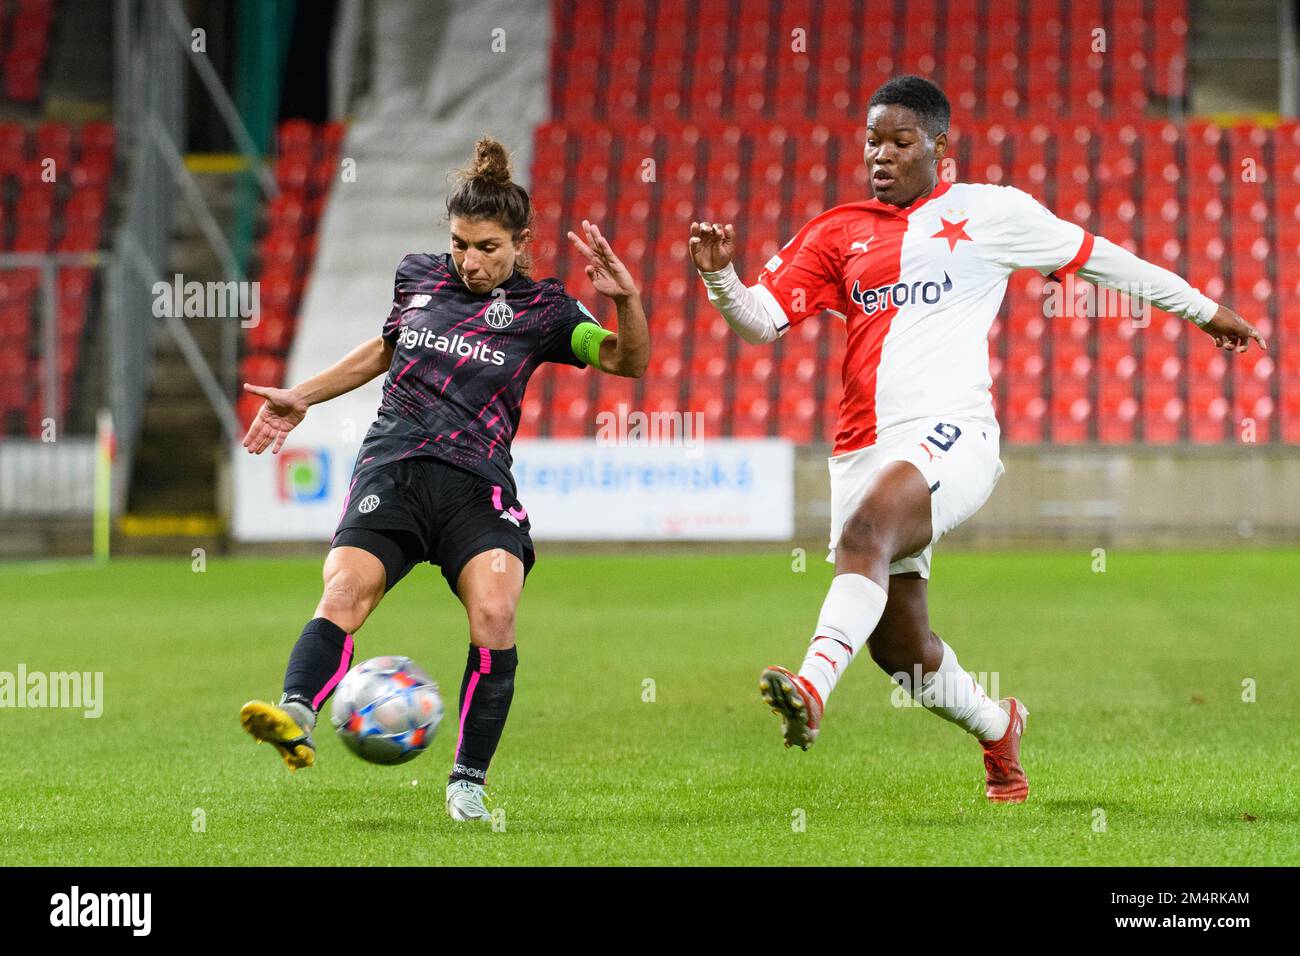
919	288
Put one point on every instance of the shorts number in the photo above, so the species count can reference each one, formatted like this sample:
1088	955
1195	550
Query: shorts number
947	434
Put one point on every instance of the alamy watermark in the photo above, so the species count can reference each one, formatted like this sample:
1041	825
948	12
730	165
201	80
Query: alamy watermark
940	689
624	427
78	690
1071	298
133	911
212	300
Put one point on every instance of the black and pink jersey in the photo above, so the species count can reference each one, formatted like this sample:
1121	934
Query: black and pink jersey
461	362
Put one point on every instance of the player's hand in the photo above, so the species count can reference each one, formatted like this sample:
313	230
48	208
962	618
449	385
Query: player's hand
605	270
1231	332
283	409
713	245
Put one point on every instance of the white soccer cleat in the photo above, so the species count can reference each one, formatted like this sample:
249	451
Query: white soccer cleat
465	801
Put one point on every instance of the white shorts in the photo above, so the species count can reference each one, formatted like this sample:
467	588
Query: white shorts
959	459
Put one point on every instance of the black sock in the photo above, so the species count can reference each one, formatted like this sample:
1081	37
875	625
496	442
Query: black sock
317	663
488	686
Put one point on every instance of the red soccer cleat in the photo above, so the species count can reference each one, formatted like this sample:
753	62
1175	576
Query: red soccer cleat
798	703
1005	780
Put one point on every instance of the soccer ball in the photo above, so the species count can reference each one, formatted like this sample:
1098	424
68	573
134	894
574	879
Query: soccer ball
386	710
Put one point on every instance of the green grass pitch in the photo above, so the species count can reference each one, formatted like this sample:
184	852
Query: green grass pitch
1140	748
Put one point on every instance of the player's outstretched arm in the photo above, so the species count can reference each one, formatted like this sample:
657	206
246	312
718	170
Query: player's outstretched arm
1034	238
1112	265
284	408
751	311
626	352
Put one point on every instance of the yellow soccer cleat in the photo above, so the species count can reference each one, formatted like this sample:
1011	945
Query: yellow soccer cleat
276	726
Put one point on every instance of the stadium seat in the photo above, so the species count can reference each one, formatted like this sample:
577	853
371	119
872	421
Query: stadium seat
751	132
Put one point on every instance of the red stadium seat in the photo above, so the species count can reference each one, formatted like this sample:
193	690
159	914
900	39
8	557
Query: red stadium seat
98	138
1290	411
733	130
262	369
304	168
22	70
273	331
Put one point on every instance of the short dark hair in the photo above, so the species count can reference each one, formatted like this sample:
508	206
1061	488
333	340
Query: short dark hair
918	95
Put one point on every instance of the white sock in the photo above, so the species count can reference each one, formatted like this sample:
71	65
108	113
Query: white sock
850	613
954	695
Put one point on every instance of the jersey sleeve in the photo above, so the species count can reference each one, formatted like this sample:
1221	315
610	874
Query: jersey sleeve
557	342
1033	238
392	324
805	276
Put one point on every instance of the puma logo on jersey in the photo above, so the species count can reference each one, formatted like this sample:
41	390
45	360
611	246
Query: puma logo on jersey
511	518
861	245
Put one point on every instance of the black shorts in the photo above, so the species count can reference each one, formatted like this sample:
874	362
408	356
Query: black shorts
421	509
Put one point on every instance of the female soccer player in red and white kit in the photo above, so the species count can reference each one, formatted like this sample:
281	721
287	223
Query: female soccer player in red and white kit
432	481
918	273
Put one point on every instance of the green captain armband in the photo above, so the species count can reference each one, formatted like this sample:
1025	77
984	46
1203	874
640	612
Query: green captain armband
586	340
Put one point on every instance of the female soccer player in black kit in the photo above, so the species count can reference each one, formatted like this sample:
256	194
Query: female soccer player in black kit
432	481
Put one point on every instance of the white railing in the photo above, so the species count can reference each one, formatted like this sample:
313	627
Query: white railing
41	479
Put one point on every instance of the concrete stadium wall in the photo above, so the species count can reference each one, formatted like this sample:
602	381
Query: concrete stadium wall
1141	496
1218	498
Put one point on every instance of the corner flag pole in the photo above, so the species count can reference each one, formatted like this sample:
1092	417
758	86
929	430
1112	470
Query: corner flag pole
103	483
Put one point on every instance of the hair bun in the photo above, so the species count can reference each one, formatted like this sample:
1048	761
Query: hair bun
483	190
491	163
